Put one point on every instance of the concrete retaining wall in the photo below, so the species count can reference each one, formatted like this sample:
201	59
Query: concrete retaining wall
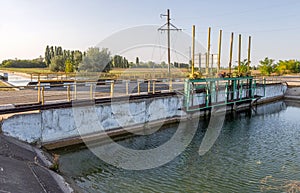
56	124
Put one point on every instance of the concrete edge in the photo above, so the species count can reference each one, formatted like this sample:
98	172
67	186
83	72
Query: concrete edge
292	97
117	133
61	182
120	133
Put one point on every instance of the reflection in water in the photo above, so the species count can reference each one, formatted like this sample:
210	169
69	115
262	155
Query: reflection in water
250	147
213	130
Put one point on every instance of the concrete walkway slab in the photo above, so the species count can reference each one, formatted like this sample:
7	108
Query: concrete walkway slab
23	168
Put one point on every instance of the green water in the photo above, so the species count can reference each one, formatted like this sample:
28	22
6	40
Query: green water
255	152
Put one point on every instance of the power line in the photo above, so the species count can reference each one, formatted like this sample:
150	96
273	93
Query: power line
170	27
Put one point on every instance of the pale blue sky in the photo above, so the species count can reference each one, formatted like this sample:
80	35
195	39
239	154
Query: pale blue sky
27	26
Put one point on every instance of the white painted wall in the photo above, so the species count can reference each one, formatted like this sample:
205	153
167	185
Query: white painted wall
55	124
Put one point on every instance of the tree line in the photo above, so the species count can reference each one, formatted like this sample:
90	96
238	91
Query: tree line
268	66
61	60
93	60
16	63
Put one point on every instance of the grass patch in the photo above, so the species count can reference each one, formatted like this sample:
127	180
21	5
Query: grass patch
28	70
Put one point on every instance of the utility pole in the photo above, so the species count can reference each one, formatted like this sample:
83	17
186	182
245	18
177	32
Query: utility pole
167	27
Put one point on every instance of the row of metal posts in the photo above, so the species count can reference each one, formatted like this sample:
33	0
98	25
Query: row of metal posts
41	90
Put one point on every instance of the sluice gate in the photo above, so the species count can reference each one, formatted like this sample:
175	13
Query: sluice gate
205	93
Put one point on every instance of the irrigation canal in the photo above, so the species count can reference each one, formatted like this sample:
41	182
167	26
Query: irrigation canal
256	151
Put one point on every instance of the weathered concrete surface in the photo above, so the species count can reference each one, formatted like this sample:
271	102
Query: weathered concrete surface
24	169
31	127
55	124
293	93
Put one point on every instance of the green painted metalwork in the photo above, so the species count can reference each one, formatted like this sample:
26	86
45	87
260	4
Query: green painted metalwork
210	92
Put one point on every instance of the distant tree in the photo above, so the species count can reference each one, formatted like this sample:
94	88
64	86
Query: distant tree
57	64
266	66
137	60
163	64
117	61
52	54
77	59
243	66
293	66
125	63
287	66
68	66
96	60
280	67
47	56
35	63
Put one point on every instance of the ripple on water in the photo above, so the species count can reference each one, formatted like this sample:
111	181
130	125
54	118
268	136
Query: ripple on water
249	149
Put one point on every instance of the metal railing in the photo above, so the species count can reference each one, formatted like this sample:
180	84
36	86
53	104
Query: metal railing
44	92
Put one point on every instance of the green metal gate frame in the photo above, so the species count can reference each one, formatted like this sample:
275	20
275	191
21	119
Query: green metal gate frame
233	88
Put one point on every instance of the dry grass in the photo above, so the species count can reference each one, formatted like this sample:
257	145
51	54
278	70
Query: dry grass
28	70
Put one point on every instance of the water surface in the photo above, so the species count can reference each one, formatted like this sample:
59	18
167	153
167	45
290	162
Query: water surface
256	151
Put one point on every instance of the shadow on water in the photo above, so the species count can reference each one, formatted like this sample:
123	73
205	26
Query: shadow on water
254	151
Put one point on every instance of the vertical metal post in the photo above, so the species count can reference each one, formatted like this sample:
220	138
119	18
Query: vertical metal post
208	51
149	86
212	63
239	54
207	95
75	90
69	93
170	85
219	52
153	91
241	90
230	55
112	85
193	50
234	90
226	92
249	52
187	91
91	91
43	95
127	87
264	83
39	89
139	88
250	87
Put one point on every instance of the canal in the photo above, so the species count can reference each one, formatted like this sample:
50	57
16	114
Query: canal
256	151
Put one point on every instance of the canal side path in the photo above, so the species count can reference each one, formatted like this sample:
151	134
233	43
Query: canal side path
24	168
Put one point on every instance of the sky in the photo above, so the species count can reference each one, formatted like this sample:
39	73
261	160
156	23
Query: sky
28	26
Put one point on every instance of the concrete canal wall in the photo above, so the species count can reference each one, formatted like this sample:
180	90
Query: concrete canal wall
57	124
